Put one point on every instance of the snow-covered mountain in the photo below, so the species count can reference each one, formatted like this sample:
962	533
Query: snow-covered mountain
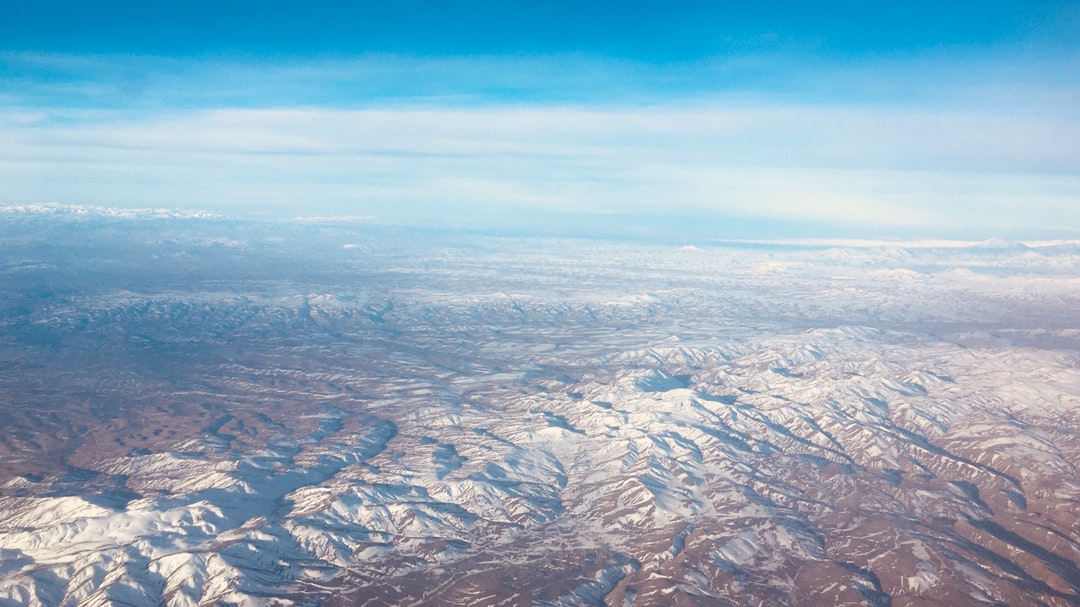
54	209
262	414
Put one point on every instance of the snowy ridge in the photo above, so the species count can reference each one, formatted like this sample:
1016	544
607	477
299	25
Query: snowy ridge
624	457
618	426
80	210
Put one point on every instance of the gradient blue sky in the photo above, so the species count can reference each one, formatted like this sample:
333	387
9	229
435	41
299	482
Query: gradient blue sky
779	119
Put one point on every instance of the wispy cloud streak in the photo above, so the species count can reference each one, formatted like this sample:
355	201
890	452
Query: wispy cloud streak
956	156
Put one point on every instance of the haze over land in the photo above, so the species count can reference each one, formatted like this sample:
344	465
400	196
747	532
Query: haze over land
212	411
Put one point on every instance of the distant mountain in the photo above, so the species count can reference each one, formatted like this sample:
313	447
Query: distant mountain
69	210
237	413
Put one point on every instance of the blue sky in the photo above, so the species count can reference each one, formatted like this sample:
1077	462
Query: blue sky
774	120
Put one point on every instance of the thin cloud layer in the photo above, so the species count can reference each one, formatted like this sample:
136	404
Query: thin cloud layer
482	140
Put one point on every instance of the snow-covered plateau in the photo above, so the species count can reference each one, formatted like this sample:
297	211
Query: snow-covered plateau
225	412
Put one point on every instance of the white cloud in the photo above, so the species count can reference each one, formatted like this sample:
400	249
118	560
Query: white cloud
919	165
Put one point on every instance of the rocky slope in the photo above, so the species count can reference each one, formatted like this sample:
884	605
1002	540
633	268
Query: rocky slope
205	411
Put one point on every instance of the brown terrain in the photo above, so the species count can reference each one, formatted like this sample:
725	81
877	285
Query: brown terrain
478	421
